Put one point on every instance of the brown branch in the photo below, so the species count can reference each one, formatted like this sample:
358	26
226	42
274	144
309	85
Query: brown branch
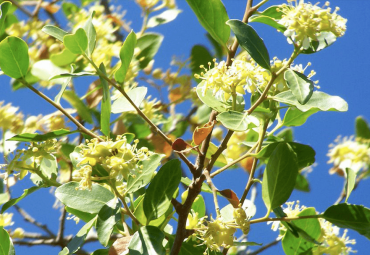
37	9
221	148
62	220
31	220
276	241
20	7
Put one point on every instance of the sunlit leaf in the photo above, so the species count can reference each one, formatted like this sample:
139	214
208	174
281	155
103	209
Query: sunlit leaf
237	121
299	84
105	104
126	53
14	201
121	104
91	35
77	43
55	32
108	216
147	241
27	137
163	18
350	182
14	59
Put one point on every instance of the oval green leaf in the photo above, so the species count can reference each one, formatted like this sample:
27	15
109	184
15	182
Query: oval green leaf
147	241
362	128
77	43
90	201
237	121
13	201
121	104
108	216
295	117
105	104
55	32
350	182
148	44
355	217
319	100
158	196
163	18
280	176
251	42
126	53
299	84
91	35
212	16
14	59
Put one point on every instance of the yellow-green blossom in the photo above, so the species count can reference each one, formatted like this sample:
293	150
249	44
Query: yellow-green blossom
291	210
10	119
348	153
18	233
305	21
117	157
6	219
332	242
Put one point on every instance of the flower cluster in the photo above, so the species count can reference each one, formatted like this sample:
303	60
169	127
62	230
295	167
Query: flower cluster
6	219
348	153
292	209
119	158
244	74
332	242
305	21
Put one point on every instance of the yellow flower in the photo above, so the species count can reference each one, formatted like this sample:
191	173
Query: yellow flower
117	157
9	119
347	153
18	233
85	174
332	242
146	4
305	21
6	219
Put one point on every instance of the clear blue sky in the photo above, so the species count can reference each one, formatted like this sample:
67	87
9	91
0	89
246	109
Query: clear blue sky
342	70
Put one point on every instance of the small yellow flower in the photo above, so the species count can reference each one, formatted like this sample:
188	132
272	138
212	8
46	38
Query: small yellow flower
10	119
347	153
6	219
18	233
146	4
305	21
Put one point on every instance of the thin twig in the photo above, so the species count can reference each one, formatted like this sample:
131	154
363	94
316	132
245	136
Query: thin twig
60	108
37	9
265	219
20	7
214	192
276	241
31	220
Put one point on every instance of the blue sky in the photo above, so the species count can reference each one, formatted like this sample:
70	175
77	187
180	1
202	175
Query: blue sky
342	70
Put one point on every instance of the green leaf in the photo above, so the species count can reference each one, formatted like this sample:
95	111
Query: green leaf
89	201
49	166
362	128
77	103
267	21
45	69
27	137
218	103
319	100
14	201
286	134
77	43
14	59
69	8
299	84
280	176
273	12
105	104
63	58
302	183
295	117
237	121
126	53
71	75
148	44
199	56
325	39
204	188
91	35
137	95
4	197
55	32
304	153
86	217
147	241
143	178
199	206
311	228
350	182
227	213
251	42
221	160
63	88
163	18
212	16
4	7
158	196
101	252
6	244
355	217
108	216
78	240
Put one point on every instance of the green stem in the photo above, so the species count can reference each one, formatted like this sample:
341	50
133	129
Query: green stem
265	219
145	23
60	108
233	93
262	133
45	179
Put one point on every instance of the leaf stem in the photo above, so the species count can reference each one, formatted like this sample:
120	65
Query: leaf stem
265	219
262	133
60	108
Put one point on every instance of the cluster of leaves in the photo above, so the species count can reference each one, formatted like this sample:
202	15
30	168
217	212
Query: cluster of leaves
136	204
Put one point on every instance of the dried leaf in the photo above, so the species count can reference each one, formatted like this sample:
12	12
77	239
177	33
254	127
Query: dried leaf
231	196
50	8
247	164
175	94
200	134
120	246
179	145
